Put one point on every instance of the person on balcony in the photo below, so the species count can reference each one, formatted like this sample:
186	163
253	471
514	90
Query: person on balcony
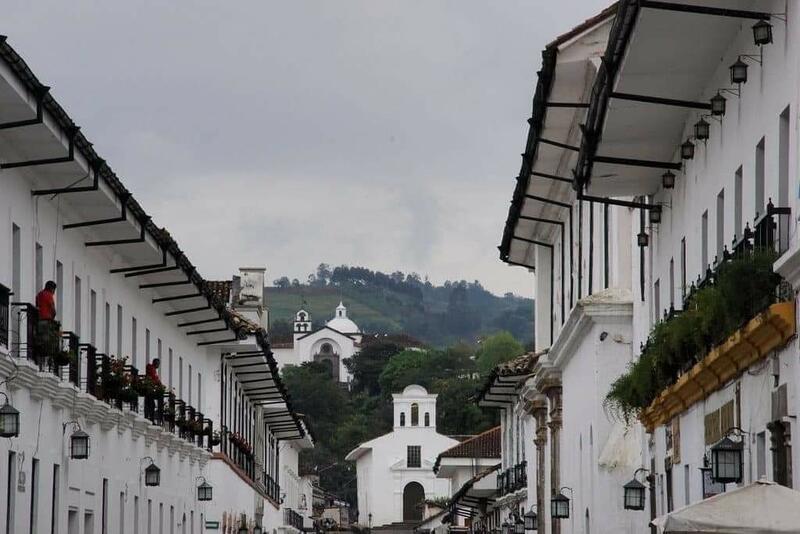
151	371
46	302
47	342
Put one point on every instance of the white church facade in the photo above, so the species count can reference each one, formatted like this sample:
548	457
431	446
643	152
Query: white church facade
329	345
395	471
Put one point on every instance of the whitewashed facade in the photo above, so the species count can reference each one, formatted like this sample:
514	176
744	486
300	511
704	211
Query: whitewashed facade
126	289
592	175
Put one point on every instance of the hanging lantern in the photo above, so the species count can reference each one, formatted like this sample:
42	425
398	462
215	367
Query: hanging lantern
687	150
633	498
204	491
79	445
243	529
655	215
531	520
559	506
702	129
258	530
642	239
9	421
152	475
762	32
718	105
519	526
506	527
726	461
739	72
668	180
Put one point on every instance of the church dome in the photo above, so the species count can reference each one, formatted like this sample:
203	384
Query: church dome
341	323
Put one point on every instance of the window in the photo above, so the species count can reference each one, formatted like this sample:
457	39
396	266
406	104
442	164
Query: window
11	493
107	329
34	517
55	504
199	391
119	330
104	510
402	419
414	458
60	284
737	201
135	514
759	186
683	269
39	268
149	516
133	342
16	274
783	158
704	244
687	484
93	317
169	369
427	419
190	385
657	301
671	283
161	518
121	529
158	349
147	345
180	377
720	223
761	455
326	348
415	414
78	307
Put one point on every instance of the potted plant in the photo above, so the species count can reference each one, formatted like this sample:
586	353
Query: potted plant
216	438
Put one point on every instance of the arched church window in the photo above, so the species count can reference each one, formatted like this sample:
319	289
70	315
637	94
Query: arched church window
326	348
402	418
415	414
427	419
302	316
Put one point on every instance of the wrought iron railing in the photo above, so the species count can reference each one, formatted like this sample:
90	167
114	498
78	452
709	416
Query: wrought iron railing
512	479
292	519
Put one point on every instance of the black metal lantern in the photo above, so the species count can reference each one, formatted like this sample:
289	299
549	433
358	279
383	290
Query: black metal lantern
718	105
633	497
258	530
9	420
519	526
762	32
642	239
687	150
79	445
152	475
668	180
559	506
531	520
243	528
506	527
739	71
702	129
204	491
726	461
655	215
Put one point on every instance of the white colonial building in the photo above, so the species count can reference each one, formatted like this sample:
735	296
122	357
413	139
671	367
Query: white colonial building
127	295
395	471
661	163
330	345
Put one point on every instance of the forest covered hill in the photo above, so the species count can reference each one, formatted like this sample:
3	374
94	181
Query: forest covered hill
439	315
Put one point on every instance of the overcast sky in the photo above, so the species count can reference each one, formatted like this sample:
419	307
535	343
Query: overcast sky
282	134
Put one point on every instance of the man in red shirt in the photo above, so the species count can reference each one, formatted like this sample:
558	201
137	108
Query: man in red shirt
46	302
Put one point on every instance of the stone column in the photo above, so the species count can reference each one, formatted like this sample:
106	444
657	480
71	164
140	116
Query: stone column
540	440
553	393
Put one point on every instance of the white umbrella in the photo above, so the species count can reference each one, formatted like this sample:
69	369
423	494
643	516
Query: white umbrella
760	508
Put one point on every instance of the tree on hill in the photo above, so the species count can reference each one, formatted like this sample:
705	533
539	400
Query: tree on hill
367	364
496	349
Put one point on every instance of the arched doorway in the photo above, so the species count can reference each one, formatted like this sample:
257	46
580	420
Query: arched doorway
413	496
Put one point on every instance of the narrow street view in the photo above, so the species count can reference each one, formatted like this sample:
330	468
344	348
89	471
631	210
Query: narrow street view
259	272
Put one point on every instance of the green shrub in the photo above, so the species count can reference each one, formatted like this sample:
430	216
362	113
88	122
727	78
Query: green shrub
741	288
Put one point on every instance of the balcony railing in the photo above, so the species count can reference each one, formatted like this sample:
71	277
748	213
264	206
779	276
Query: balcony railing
267	484
512	479
292	519
106	379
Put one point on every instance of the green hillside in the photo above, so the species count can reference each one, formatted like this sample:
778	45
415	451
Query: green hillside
400	303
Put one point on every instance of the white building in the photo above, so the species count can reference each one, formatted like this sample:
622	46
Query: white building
395	471
125	288
330	345
635	199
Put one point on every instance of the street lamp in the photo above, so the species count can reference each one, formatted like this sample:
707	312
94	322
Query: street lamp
78	441
559	504
727	458
633	491
738	71
668	180
152	474
718	104
655	215
531	519
519	525
702	129
204	490
9	419
642	239
762	32
687	150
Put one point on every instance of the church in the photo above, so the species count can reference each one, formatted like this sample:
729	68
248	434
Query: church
394	472
330	345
